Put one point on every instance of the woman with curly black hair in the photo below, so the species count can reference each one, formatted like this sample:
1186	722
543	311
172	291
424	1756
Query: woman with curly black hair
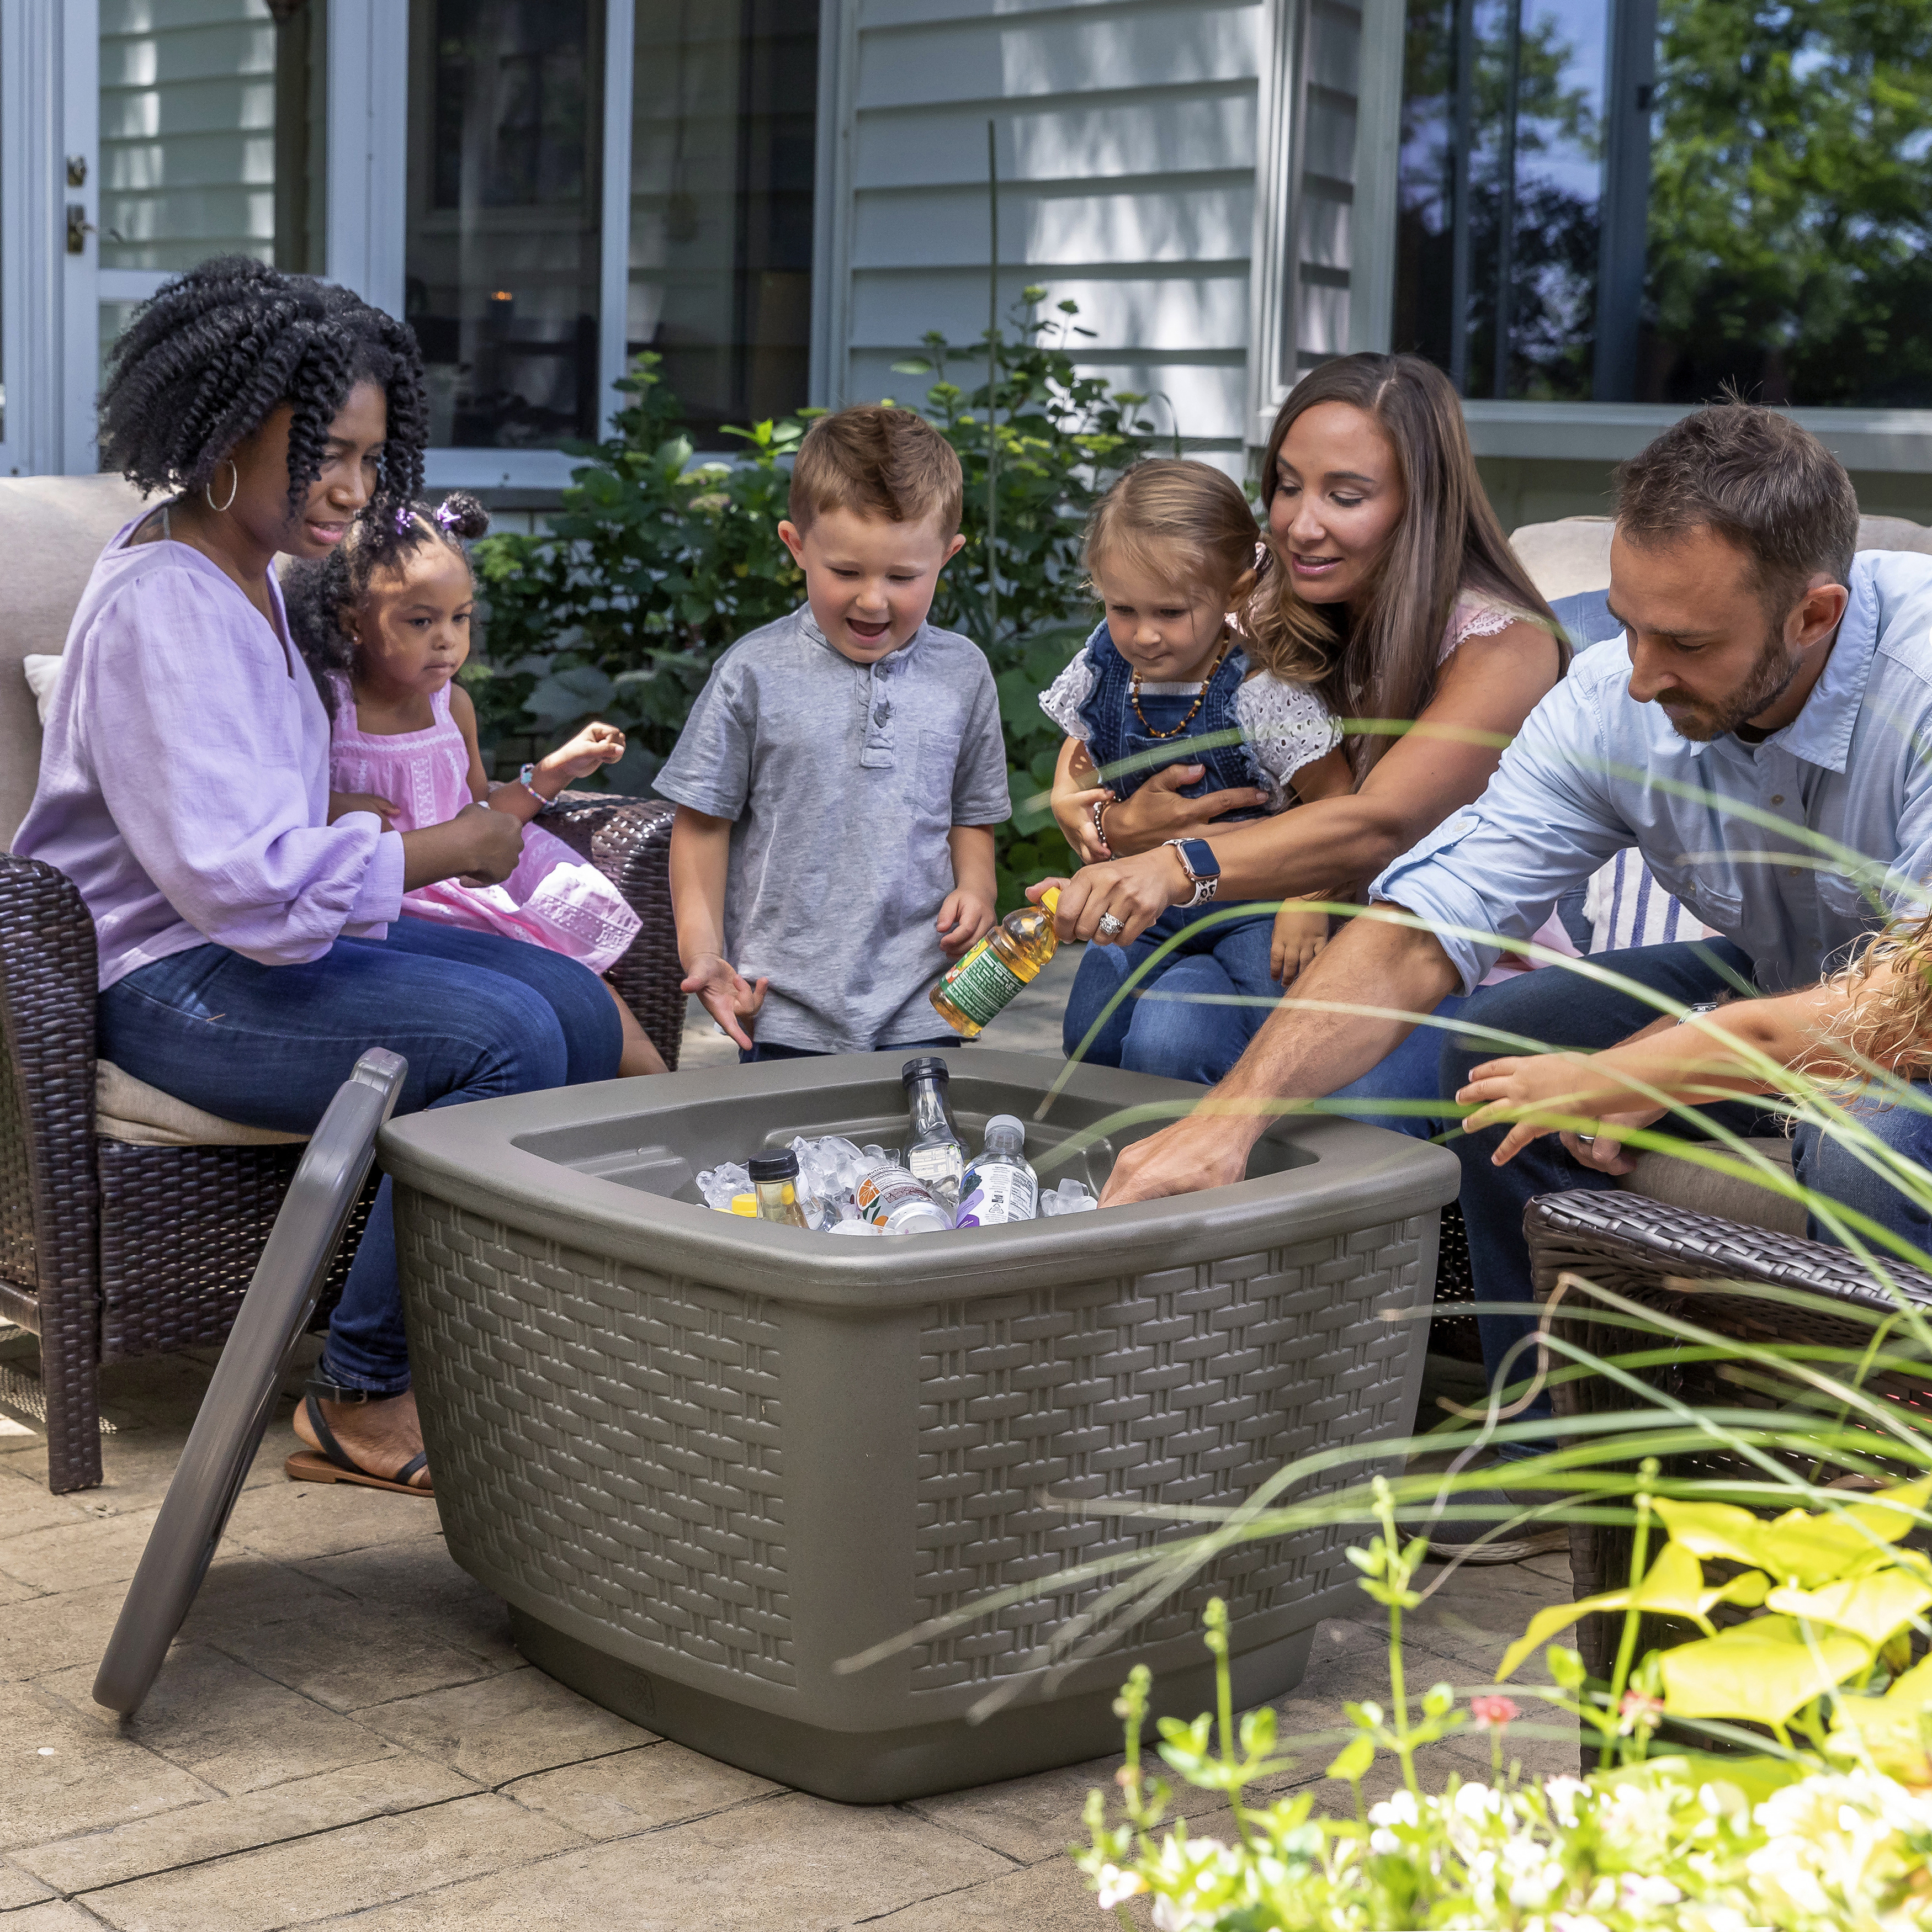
250	950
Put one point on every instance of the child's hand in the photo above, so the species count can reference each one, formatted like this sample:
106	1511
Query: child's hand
596	745
1299	933
726	994
342	802
963	920
1077	791
1542	1092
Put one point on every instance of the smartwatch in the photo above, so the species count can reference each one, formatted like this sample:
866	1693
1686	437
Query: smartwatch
1203	869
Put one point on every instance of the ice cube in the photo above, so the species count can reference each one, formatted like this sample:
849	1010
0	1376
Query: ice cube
720	1183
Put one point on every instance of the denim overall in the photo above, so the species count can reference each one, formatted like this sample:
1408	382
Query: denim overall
1186	1025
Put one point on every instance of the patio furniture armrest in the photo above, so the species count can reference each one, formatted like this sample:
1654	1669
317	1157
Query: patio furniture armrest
629	840
48	1192
1657	1255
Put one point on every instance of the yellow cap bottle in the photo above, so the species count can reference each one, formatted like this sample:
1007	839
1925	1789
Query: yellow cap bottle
975	988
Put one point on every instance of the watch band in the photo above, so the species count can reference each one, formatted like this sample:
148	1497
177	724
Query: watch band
1202	868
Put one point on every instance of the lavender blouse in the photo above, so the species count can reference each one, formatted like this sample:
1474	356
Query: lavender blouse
184	783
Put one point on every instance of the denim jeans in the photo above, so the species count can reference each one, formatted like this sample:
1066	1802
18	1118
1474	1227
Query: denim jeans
1412	1072
474	1014
1561	1008
1192	1018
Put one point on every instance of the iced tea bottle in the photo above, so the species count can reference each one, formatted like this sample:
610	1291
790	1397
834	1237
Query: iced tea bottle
775	1177
976	987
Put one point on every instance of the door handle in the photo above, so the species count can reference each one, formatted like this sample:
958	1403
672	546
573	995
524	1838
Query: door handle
78	228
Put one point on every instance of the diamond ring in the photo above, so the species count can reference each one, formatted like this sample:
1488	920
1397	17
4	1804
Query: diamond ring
1111	927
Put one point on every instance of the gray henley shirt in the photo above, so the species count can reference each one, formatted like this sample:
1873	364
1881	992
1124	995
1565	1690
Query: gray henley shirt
841	781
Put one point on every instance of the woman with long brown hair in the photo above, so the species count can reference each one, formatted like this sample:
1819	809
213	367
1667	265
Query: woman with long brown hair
1391	592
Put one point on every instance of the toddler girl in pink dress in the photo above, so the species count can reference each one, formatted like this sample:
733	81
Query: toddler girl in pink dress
384	623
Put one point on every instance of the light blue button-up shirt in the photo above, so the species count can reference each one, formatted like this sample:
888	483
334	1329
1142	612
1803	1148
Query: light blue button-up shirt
1592	771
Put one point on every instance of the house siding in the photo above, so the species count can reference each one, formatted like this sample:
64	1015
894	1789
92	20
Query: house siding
1126	133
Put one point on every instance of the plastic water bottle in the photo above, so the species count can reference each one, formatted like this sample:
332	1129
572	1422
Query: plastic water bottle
999	1185
934	1152
897	1203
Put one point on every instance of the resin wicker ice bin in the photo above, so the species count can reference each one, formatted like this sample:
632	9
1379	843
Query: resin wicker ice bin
704	1459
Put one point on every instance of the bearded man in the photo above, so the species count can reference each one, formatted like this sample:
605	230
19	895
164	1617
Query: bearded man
1770	683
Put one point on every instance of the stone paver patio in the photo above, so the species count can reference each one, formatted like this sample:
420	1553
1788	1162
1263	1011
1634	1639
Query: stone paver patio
344	1736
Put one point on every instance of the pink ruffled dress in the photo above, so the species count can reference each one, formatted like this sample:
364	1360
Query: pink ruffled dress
553	899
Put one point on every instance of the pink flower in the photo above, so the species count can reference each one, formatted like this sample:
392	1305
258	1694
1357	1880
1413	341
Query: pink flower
1493	1710
1640	1713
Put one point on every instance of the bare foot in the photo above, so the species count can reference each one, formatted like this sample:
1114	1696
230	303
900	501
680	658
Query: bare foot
379	1436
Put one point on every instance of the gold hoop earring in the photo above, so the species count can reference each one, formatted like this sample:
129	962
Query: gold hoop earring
234	485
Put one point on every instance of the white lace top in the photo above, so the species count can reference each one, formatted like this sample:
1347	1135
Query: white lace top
1472	618
1286	725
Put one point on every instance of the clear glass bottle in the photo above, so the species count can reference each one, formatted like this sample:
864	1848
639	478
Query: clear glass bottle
999	1186
774	1178
934	1152
976	987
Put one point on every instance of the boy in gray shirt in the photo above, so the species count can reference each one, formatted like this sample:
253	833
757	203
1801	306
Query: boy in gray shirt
839	777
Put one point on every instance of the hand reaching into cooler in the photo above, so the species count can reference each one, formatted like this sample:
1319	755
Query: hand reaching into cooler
726	994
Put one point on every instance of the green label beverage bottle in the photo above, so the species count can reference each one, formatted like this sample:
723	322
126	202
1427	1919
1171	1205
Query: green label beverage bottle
976	987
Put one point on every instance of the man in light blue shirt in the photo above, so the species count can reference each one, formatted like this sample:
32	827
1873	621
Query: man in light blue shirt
1769	704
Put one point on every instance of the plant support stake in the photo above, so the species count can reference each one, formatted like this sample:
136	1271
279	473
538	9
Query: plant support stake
992	391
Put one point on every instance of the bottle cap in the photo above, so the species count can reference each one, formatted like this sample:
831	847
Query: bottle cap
928	1066
746	1203
783	1166
1011	1122
1050	899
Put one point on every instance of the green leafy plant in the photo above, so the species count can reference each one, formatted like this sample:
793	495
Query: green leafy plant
1794	1843
659	559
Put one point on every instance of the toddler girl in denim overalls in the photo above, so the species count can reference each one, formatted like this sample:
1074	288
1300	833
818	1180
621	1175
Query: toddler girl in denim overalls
1163	680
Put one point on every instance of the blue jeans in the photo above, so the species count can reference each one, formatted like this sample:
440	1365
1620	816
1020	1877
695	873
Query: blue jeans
1561	1008
1192	1018
475	1015
1412	1072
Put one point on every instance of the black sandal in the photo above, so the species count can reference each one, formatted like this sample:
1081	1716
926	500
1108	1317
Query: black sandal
332	1463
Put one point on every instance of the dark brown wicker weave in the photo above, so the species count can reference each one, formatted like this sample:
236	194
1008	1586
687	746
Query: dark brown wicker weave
109	1250
1643	1249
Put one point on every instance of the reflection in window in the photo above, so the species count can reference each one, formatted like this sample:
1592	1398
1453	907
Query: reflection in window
211	128
1644	199
501	257
723	121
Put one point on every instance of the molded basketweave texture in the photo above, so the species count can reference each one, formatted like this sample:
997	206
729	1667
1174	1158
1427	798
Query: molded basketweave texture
615	1441
1189	1385
705	1460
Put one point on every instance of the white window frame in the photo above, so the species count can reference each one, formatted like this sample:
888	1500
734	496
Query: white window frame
368	158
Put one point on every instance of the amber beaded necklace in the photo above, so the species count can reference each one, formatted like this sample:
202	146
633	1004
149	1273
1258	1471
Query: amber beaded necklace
1200	697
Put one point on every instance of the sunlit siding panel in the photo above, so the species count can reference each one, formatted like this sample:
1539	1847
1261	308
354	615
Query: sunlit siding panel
1127	143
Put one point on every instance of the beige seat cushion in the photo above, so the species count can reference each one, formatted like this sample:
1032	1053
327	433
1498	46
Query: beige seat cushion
1683	1183
1573	553
55	527
127	1109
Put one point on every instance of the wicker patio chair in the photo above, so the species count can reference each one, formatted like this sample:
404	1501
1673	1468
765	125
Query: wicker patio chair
1654	1253
112	1248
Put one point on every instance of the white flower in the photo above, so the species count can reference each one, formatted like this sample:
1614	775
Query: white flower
1116	1886
1639	1892
1576	1922
1477	1801
1398	1809
1170	1917
1563	1793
